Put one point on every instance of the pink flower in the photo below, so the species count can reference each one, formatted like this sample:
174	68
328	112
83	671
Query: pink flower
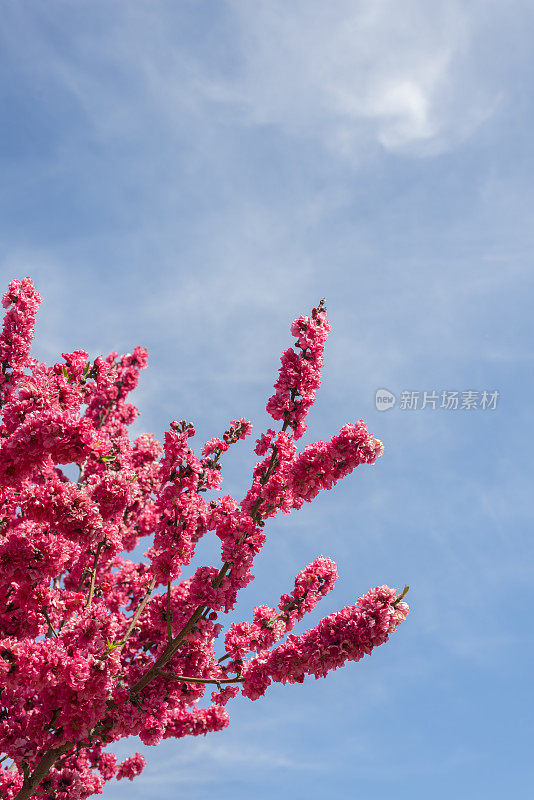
131	767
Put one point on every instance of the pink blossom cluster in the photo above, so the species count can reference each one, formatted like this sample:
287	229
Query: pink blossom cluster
22	302
300	373
346	635
90	650
131	767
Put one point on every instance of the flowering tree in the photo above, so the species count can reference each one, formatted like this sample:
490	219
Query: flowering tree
88	652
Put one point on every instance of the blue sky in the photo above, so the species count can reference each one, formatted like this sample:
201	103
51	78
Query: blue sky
191	176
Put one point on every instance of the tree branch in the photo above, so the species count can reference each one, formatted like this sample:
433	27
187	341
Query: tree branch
32	780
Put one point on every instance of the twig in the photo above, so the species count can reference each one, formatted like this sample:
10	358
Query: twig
185	679
136	616
93	574
169	613
50	626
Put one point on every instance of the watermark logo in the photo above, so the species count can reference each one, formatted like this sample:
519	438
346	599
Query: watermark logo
384	399
468	400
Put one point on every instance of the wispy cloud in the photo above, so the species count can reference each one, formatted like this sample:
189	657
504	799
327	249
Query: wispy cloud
183	767
360	74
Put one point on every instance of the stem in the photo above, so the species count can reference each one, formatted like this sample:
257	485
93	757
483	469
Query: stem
137	614
169	614
93	574
50	631
185	679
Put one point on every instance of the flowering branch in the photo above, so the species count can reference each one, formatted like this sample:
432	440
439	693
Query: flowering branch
68	694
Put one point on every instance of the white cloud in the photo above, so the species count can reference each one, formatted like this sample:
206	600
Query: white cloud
358	73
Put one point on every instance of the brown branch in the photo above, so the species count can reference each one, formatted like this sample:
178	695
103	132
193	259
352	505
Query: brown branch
140	608
93	574
33	779
167	654
81	474
169	614
186	679
50	632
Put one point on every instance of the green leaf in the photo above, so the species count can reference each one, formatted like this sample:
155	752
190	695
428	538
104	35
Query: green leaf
113	645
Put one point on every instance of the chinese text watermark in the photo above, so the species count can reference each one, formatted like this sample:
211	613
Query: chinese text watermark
468	400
